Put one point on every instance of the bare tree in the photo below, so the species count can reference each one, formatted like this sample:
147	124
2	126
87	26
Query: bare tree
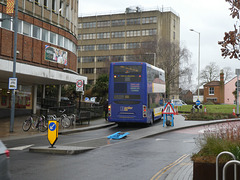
212	73
170	57
228	73
231	41
209	73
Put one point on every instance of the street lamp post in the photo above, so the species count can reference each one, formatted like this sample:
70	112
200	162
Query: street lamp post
198	58
154	58
15	26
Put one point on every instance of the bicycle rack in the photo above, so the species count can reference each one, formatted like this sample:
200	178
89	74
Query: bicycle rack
217	160
235	162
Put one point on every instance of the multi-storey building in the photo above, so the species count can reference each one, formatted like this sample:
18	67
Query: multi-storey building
116	37
46	49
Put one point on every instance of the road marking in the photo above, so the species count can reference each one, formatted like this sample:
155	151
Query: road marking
162	171
20	148
160	139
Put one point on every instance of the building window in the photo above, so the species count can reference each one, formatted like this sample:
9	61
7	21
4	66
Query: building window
118	46
89	25
61	8
78	70
89	36
67	11
120	22
88	59
88	48
36	32
53	38
117	58
60	40
6	23
88	70
79	59
45	35
133	33
211	91
20	26
104	35
66	43
132	58
102	58
53	5
45	4
119	34
149	32
101	70
37	2
134	21
103	47
132	45
148	20
103	23
26	28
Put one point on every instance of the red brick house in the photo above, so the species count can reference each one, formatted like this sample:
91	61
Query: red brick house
214	91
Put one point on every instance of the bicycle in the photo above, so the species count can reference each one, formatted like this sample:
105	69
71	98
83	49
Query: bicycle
64	120
36	122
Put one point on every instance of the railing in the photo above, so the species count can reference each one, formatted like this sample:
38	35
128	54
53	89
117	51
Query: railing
235	162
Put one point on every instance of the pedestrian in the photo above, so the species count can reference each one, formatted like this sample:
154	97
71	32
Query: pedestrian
105	106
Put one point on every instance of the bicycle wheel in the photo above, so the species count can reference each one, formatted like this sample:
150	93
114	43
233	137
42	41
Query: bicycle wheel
65	121
42	124
27	124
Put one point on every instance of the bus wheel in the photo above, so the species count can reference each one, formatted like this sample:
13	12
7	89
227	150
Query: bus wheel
152	120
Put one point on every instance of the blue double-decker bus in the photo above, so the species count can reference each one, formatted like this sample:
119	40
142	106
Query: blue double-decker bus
136	92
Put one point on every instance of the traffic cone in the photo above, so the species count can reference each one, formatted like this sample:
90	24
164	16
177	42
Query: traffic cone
234	111
205	110
176	110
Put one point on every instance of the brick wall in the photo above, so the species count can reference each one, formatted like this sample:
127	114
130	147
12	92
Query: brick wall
31	50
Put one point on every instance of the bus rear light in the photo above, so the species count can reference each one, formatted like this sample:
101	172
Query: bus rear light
109	110
144	111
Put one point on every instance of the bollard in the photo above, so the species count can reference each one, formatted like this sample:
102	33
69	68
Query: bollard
205	110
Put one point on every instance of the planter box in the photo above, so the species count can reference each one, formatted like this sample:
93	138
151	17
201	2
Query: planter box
207	171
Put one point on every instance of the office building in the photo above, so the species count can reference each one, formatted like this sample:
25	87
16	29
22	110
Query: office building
119	37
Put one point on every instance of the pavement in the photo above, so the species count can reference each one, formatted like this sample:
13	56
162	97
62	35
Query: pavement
183	169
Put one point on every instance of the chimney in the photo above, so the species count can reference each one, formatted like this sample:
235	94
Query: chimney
221	76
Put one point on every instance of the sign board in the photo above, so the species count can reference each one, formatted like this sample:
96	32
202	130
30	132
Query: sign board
168	109
52	131
79	85
12	84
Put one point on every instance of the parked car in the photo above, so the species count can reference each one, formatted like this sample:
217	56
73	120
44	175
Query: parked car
4	162
178	102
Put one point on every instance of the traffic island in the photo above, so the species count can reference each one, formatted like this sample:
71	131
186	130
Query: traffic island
63	150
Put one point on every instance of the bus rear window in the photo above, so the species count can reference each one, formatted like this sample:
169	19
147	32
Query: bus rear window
127	69
120	87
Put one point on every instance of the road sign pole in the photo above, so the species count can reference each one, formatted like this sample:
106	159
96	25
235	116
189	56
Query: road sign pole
237	93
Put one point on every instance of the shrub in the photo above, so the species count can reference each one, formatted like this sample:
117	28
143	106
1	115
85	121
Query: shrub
224	137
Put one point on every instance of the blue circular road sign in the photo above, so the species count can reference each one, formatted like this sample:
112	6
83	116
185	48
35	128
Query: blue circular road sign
52	126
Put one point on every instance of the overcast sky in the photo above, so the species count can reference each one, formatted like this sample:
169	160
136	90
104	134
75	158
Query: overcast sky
210	18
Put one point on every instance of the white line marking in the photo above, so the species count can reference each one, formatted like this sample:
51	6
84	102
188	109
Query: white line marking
20	148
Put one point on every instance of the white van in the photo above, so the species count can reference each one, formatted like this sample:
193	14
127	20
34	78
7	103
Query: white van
178	102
